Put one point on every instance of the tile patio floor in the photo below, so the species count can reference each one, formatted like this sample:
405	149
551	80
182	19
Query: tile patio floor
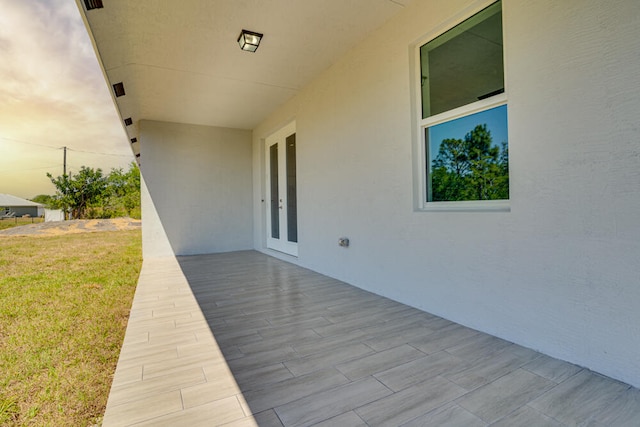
243	339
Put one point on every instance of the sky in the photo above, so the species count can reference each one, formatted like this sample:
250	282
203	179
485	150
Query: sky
52	94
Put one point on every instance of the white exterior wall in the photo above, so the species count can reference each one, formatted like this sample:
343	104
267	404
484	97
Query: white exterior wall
560	272
196	194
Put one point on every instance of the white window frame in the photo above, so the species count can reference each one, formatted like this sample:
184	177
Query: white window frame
475	107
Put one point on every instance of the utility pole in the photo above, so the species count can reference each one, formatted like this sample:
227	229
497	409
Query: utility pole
64	176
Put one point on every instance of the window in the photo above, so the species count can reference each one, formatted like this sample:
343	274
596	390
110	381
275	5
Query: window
463	114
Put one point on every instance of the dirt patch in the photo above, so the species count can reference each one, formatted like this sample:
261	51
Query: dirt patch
56	228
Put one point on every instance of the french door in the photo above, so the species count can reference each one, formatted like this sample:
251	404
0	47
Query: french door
282	204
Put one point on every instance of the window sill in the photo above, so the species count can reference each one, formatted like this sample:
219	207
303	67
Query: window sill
468	206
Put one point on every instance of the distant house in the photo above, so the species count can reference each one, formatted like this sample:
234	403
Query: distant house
11	206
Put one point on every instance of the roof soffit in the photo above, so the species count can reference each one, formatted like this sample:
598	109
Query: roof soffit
179	61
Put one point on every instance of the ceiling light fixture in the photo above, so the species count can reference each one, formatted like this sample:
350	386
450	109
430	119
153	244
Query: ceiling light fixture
249	40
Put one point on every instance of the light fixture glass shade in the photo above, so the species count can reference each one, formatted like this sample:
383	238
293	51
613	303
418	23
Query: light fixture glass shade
249	40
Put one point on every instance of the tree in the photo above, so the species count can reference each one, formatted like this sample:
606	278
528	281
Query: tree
43	199
90	194
77	193
123	191
471	168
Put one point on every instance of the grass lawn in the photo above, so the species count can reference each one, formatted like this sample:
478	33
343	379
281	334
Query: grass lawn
64	305
15	222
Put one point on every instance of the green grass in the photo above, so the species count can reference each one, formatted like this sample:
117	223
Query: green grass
15	222
64	305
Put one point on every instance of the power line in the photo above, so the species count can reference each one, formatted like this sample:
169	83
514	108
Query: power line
96	152
68	148
29	169
30	143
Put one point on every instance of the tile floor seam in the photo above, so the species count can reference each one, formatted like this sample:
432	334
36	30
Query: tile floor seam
363	420
372	349
421	351
502	376
457	385
557	385
561	424
275	409
143	422
531	399
524	367
148	394
278	416
182	399
470	413
506	415
244	411
436	409
453	382
385	386
288	370
137	423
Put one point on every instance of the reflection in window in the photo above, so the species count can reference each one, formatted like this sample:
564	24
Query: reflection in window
468	158
463	65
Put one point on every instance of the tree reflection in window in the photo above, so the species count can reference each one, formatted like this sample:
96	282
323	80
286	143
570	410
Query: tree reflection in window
471	167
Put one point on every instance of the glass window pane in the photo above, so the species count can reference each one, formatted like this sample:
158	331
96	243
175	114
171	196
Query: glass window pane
468	158
463	65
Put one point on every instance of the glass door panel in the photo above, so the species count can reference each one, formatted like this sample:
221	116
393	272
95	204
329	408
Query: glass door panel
273	199
292	202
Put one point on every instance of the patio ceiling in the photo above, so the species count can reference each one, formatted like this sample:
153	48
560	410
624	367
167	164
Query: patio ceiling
179	60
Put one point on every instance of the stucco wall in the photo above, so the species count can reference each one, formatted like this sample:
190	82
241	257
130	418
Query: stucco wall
560	272
197	189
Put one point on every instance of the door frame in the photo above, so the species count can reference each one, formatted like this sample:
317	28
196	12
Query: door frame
280	244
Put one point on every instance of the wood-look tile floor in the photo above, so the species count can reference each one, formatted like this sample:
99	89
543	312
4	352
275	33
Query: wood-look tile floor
244	339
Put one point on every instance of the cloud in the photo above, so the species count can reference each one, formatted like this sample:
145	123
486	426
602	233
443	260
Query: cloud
52	91
49	54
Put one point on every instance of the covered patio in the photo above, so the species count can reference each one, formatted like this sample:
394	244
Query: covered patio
245	339
316	149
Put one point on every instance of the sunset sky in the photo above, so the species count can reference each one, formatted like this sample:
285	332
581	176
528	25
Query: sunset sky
52	94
